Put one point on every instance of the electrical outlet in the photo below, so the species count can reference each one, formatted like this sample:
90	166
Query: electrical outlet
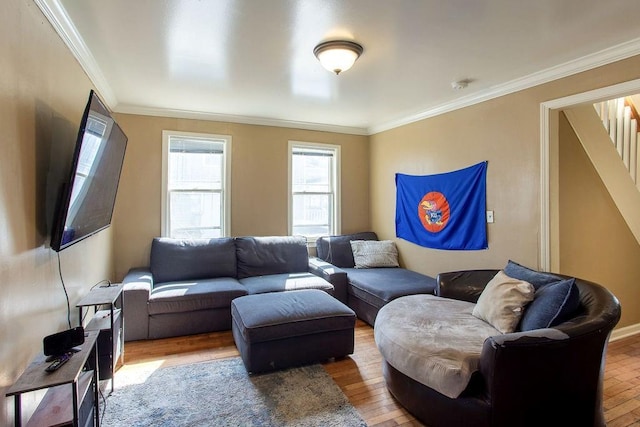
489	217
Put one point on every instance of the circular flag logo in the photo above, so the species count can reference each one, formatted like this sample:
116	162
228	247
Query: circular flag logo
434	211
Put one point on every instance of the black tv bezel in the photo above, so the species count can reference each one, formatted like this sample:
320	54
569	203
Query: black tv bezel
62	210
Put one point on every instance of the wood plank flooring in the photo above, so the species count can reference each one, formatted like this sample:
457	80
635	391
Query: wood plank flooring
360	375
622	383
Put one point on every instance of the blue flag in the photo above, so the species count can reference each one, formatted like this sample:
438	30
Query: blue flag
443	211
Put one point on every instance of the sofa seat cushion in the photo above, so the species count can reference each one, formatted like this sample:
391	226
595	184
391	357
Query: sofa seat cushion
378	286
280	315
435	341
185	296
285	282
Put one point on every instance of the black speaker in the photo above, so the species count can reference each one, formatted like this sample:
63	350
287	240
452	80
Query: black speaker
62	341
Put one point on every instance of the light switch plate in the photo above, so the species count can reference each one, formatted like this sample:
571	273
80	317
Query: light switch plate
489	217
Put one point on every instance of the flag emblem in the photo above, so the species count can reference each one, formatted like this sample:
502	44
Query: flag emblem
433	211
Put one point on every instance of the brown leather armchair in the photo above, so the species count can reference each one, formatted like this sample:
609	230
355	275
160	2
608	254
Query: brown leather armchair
523	379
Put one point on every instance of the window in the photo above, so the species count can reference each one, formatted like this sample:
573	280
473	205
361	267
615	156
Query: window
314	203
196	182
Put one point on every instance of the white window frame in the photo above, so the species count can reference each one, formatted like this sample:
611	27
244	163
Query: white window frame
226	176
335	181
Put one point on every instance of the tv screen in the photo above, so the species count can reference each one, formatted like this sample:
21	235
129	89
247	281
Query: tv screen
87	199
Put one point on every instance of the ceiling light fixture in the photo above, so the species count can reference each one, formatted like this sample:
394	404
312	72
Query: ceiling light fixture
338	55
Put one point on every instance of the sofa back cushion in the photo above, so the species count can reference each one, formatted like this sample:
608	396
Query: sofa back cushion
258	256
185	259
337	249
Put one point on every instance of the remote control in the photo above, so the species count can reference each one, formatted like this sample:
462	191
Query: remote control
59	361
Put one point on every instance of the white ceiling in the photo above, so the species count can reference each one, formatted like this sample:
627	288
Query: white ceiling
252	61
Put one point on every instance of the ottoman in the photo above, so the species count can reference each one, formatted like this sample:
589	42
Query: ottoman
285	329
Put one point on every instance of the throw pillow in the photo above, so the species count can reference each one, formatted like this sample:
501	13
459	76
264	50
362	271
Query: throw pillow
374	253
552	304
337	250
502	302
536	278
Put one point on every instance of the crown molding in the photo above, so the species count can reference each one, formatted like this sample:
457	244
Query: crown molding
59	19
585	63
230	118
62	24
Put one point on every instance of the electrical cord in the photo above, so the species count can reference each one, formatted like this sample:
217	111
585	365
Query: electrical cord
107	281
108	284
66	295
104	404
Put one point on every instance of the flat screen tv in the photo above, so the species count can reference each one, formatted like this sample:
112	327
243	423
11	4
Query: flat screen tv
87	199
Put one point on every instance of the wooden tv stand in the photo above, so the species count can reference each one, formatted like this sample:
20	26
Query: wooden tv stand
72	395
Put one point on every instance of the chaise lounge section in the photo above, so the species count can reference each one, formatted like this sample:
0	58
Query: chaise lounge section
369	286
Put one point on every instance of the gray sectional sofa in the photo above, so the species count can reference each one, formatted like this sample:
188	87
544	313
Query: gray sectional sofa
189	284
365	290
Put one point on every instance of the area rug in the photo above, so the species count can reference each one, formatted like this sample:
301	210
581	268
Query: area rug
221	393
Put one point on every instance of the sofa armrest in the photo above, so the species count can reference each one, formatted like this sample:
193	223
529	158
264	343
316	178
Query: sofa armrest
137	288
465	285
517	369
332	274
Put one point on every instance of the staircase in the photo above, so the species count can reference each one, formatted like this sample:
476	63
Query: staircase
620	119
613	151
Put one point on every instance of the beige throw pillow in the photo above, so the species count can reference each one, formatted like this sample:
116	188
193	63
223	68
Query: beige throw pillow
374	253
502	302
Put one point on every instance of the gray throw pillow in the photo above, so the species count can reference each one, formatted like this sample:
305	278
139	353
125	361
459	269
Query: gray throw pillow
374	253
502	302
337	250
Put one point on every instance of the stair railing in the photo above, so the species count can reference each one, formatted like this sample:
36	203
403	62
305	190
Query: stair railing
620	119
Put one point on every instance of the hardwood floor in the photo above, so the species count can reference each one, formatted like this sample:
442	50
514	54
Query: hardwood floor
622	383
360	376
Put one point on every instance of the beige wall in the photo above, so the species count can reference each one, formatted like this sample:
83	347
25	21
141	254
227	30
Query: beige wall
506	132
454	141
609	253
43	92
258	181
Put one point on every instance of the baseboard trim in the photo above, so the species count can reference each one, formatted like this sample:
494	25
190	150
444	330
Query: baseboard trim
627	331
